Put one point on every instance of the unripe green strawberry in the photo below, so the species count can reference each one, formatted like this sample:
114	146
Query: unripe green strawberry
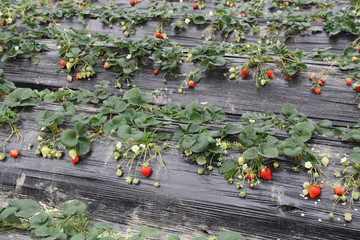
263	82
72	153
116	155
2	156
343	198
157	184
210	168
49	156
129	180
88	74
45	151
331	214
232	76
53	151
58	154
200	171
336	197
239	185
38	152
240	177
324	161
123	23
40	139
119	173
230	180
25	226
355	195
71	60
242	194
123	28
305	192
136	181
1	49
276	164
241	160
126	33
232	69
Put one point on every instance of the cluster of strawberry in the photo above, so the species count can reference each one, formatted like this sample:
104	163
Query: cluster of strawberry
132	2
13	153
158	34
86	72
318	81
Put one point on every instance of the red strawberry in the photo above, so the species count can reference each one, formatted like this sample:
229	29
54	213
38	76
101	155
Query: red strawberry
2	22
14	153
319	20
286	3
359	49
191	84
265	173
250	176
287	77
137	1
230	5
314	191
132	2
348	81
106	65
156	71
310	78
162	36
69	78
145	170
75	160
158	35
320	82
270	74
313	89
244	72
358	88
62	63
243	15
339	190
318	90
78	75
194	6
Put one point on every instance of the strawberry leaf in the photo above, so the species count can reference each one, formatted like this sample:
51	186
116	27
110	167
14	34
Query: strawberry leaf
229	235
68	138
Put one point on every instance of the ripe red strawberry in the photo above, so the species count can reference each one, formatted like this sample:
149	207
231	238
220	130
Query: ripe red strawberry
317	90
313	89
62	63
348	81
75	160
358	88
137	1
286	3
250	176
287	77
243	15
319	20
191	84
270	74
158	35
132	2
320	82
106	65
145	170
156	71
162	36
265	173
14	153
314	191
244	72
310	78
339	190
194	6
359	49
2	22
230	5
78	75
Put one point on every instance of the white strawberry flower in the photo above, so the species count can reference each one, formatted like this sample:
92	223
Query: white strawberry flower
187	21
245	167
118	145
308	165
16	48
188	152
218	141
343	160
128	56
252	121
43	128
211	13
142	145
135	148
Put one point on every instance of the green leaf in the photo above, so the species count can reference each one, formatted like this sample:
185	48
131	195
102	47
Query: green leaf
149	232
42	231
81	129
38	220
83	146
325	124
251	153
165	136
73	207
230	129
199	19
26	207
7	212
227	165
68	138
268	150
229	235
173	237
79	236
201	160
138	97
355	158
68	109
201	144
